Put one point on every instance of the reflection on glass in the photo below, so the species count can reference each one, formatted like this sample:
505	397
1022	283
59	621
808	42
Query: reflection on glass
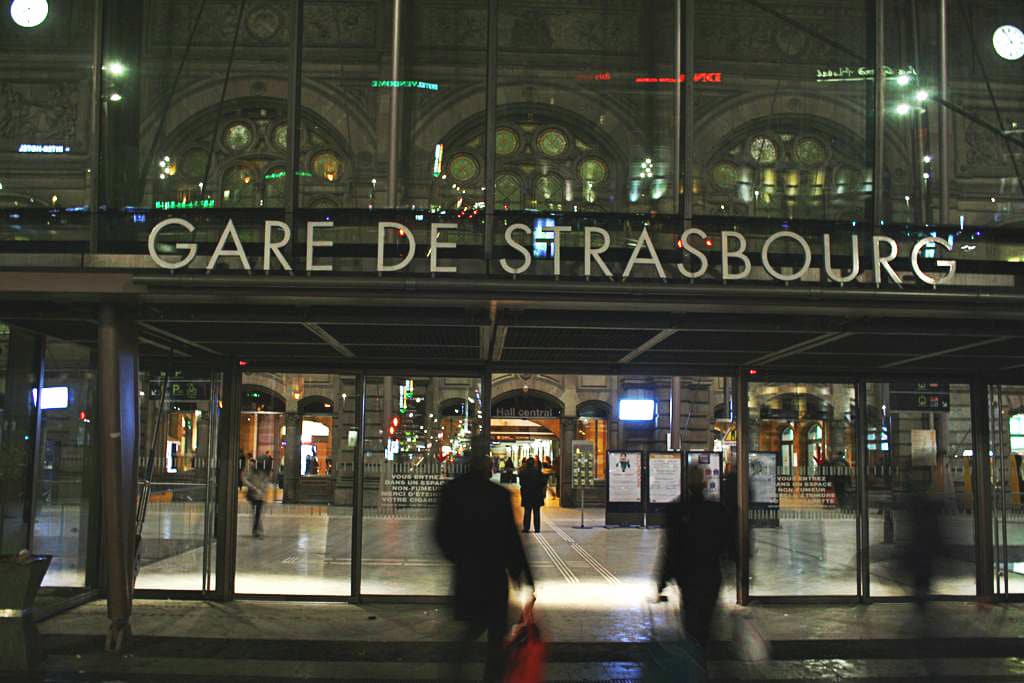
805	543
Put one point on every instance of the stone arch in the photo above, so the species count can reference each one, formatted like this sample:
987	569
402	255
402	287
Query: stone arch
315	405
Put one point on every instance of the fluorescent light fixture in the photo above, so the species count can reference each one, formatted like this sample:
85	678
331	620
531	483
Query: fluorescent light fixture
53	398
636	409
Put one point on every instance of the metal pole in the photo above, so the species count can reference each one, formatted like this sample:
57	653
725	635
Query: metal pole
292	182
689	27
490	161
229	417
743	491
357	496
863	542
677	104
878	162
396	32
1004	546
944	122
982	490
96	93
485	408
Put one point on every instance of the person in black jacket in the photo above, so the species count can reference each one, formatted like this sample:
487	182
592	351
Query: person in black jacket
691	551
533	487
476	531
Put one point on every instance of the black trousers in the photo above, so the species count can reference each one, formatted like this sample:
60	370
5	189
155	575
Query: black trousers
494	668
257	508
531	510
700	599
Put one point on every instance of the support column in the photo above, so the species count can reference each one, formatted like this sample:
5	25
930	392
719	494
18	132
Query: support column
743	491
292	456
675	421
118	361
982	484
229	417
861	474
357	492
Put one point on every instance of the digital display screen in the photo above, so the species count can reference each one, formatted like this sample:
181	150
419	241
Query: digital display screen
636	409
53	398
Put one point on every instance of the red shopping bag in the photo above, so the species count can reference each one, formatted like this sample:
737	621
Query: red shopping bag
526	650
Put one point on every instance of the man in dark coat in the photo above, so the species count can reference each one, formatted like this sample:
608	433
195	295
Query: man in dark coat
476	531
533	488
691	551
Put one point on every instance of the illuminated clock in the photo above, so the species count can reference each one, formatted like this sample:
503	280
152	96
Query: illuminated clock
1008	41
29	13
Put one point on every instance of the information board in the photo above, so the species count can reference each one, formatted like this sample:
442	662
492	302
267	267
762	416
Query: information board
582	463
764	489
665	477
923	396
625	477
710	464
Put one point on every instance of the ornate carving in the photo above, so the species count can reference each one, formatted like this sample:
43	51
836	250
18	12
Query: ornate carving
31	112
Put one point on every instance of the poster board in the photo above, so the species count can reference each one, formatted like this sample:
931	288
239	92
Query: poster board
582	463
624	480
710	464
764	489
664	484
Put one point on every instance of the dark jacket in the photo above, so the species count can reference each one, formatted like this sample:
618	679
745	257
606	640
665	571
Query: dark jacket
533	487
695	540
476	531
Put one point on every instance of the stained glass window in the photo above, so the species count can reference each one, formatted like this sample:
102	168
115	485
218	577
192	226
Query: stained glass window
326	167
240	187
763	150
238	136
548	188
463	167
506	141
724	176
508	190
281	136
593	171
809	151
552	142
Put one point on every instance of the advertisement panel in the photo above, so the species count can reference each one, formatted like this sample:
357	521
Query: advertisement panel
764	488
710	464
665	476
624	477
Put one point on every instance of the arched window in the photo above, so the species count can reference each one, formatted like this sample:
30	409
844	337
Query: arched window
786	448
1017	433
814	448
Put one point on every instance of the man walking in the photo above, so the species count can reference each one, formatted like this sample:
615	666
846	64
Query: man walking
476	531
533	488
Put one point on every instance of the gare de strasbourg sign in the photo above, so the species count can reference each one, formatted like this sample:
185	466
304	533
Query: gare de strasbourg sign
735	262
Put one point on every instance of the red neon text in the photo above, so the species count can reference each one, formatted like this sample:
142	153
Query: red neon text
700	77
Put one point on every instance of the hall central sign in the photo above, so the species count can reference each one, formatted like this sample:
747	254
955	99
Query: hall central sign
734	256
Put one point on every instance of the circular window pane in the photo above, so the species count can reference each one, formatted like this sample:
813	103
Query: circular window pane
238	136
809	151
193	163
593	171
549	188
763	150
724	176
463	167
552	142
281	136
326	167
506	141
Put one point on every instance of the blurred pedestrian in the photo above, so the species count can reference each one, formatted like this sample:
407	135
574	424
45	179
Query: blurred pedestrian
255	489
533	487
476	531
692	547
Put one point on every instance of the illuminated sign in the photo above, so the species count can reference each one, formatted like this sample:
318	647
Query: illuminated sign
26	148
902	75
699	77
636	409
438	157
418	85
733	260
281	174
53	398
201	204
603	76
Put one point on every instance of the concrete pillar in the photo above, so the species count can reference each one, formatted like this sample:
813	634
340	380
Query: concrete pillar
292	456
118	414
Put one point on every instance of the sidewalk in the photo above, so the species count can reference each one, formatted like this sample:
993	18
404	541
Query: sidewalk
285	641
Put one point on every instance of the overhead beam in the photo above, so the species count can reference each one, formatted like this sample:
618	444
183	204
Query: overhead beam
329	339
799	347
935	354
648	345
181	340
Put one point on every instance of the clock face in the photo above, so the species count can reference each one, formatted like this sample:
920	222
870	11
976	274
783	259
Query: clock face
29	13
1008	41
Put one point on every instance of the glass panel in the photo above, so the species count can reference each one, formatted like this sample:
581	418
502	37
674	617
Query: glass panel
920	501
418	432
585	108
810	546
17	437
787	137
296	453
346	72
66	481
178	442
1008	486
